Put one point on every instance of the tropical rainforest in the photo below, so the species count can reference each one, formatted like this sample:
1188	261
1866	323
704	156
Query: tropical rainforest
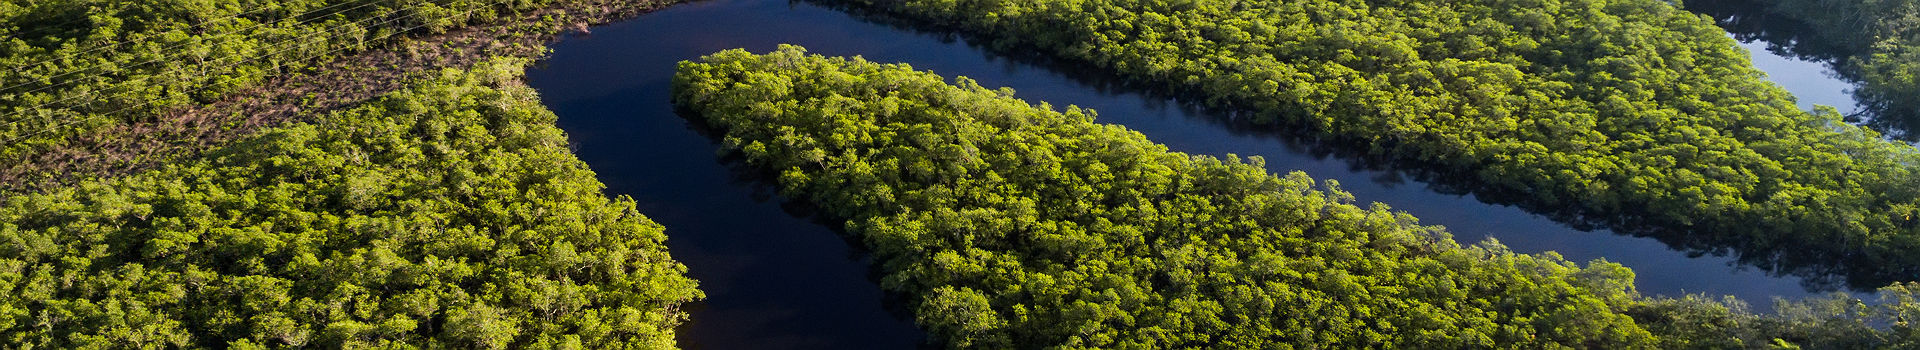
1630	113
1013	225
447	210
84	64
449	214
79	71
1875	43
446	214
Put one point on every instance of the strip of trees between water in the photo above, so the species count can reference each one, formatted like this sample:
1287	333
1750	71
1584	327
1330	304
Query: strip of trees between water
1013	225
1631	114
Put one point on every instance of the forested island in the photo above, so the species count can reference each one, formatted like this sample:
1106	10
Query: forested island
1013	225
1633	114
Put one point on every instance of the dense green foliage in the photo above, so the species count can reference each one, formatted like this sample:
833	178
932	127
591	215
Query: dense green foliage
1631	113
447	215
1010	225
1016	225
76	65
1873	42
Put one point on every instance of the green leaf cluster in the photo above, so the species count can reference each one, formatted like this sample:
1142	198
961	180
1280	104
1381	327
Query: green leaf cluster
446	215
1630	113
79	65
1837	321
1012	225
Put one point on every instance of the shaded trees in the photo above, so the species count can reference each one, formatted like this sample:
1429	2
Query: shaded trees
1875	43
78	65
449	214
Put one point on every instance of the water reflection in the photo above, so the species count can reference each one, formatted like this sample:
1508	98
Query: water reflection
1785	46
777	280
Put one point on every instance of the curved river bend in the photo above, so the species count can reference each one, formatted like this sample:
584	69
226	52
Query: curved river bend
775	279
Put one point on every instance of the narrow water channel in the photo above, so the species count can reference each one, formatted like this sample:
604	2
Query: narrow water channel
775	280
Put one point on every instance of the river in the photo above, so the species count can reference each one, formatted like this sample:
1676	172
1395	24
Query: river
777	280
1813	83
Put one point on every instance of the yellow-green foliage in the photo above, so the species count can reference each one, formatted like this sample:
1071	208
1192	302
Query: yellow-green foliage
446	215
76	65
1021	226
1628	112
1012	225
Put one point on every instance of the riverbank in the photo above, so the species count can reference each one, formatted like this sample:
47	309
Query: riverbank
1874	45
778	281
1018	225
186	132
1541	109
446	214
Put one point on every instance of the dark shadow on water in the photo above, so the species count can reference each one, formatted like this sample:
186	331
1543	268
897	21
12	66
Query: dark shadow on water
1786	36
762	182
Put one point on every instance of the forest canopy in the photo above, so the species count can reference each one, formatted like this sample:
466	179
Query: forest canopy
1633	114
1013	225
79	65
446	215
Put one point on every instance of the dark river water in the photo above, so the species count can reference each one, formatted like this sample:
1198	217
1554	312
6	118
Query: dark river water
777	280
